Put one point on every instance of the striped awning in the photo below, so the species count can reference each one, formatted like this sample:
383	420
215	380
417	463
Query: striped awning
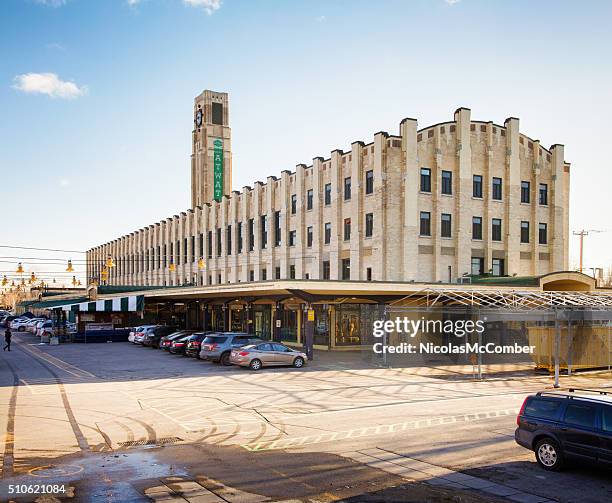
116	304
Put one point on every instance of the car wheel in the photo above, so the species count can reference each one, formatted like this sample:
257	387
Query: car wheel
225	359
255	364
20	329
298	362
549	455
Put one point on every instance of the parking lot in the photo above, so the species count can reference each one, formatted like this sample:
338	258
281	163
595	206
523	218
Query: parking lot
127	423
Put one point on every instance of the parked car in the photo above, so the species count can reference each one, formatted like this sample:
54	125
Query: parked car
178	345
7	321
194	343
218	346
31	325
165	342
139	333
152	336
19	324
267	354
563	425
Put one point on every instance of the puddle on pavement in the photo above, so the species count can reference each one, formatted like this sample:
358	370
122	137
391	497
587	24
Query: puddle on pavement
102	477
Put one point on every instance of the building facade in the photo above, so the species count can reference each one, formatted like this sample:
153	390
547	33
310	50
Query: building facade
436	204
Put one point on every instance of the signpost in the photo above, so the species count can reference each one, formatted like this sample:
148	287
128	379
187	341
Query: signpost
218	169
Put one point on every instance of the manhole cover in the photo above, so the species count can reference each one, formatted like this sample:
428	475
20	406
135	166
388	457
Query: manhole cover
51	471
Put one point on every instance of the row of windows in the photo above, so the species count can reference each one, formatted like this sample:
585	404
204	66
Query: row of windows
477	187
327	194
496	228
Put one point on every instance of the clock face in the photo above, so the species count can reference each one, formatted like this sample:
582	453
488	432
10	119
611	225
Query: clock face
199	118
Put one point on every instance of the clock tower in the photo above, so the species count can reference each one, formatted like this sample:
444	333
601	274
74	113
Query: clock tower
211	152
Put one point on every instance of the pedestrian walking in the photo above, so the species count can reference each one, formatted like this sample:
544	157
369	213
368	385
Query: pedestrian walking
7	339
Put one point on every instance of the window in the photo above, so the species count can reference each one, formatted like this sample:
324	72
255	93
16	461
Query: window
201	249
446	225
542	234
477	266
477	186
524	232
496	229
218	242
369	225
425	180
251	275
425	223
239	229
497	189
264	230
326	269
606	418
217	113
228	240
327	194
525	190
369	278
476	227
277	229
277	272
582	415
309	237
498	267
291	271
292	236
251	234
327	233
210	246
347	229
178	255
347	188
543	194
309	199
346	268
293	204
544	409
447	182
264	274
369	185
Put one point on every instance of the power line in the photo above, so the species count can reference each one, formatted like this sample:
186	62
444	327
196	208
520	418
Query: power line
40	249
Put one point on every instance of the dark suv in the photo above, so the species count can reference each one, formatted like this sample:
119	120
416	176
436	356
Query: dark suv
561	425
153	336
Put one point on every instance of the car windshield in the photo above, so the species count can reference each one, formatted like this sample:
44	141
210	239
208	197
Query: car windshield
215	339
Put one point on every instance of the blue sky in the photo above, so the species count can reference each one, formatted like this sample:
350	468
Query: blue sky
109	151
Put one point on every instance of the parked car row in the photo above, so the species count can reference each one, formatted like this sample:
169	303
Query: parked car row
225	348
38	325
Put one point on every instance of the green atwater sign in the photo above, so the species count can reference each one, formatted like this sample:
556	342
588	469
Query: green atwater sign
218	169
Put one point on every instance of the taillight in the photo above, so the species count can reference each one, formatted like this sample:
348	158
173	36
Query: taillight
243	353
518	422
138	334
213	346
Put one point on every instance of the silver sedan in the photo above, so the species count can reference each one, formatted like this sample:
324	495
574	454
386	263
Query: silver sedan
267	354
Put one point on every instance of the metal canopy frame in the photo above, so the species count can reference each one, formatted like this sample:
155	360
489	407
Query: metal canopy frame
510	299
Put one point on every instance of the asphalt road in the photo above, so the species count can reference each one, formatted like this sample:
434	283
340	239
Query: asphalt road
118	422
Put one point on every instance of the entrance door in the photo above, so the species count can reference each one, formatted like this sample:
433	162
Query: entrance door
263	317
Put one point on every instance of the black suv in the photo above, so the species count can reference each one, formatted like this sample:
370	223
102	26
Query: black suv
154	335
560	425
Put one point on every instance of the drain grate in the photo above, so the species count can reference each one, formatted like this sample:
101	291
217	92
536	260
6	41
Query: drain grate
156	442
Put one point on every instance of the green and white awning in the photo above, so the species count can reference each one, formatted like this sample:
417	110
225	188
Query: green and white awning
116	304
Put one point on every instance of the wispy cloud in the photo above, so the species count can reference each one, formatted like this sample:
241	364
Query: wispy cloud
321	19
132	3
209	6
64	182
452	2
51	3
55	46
49	84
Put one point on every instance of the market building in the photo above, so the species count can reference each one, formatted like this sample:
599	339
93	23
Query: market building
438	204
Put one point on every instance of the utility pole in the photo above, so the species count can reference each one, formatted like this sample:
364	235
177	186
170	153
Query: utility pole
582	234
